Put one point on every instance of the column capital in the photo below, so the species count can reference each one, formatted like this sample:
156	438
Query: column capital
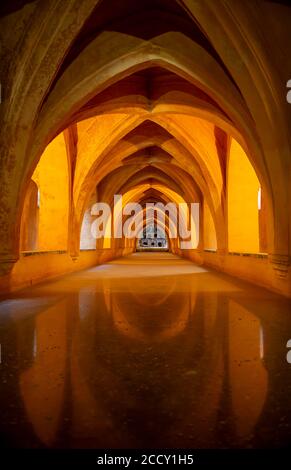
7	261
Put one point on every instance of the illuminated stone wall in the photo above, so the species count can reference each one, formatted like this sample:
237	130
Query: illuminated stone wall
177	110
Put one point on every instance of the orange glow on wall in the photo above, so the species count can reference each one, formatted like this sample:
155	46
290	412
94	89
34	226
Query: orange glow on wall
242	202
52	179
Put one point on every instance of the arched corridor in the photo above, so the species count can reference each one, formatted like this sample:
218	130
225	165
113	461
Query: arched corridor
160	113
145	222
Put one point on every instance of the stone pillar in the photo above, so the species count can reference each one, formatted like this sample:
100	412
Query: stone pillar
281	264
9	236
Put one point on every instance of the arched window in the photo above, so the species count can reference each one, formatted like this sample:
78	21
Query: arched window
152	238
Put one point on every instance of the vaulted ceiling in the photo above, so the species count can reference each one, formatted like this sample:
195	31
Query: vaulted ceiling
149	94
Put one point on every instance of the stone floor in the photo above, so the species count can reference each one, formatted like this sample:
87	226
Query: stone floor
145	351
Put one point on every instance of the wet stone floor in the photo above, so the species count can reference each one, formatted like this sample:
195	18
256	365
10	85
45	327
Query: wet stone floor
146	351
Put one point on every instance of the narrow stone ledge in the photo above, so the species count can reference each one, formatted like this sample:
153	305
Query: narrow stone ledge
34	253
250	255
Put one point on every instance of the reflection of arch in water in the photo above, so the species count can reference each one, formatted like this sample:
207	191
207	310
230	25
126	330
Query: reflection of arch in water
124	312
209	342
168	287
125	324
247	374
44	403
